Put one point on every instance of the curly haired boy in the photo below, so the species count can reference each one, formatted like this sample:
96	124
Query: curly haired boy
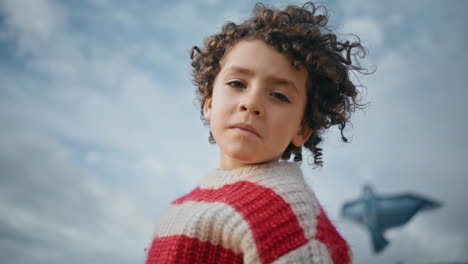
268	87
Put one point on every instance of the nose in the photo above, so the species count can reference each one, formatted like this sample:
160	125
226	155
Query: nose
252	103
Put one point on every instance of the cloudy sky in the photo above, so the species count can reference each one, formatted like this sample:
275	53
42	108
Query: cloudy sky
99	129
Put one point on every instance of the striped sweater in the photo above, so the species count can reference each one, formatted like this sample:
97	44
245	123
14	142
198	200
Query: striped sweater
254	214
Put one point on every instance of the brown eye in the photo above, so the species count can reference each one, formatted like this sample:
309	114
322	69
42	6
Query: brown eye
280	97
236	84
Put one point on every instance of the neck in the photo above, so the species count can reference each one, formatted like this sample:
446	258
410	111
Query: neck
228	163
252	172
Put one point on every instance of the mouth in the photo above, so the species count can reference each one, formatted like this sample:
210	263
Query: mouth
246	129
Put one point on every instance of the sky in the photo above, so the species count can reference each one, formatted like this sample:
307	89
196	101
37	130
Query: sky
100	128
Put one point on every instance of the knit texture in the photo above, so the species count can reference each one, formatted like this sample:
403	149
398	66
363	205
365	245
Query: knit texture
255	214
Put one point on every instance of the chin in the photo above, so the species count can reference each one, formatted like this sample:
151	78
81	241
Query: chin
250	159
244	158
242	154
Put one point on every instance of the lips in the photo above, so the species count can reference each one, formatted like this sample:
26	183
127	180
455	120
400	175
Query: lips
246	128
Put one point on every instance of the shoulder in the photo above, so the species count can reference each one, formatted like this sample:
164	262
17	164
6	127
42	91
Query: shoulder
287	182
275	186
321	241
267	214
200	219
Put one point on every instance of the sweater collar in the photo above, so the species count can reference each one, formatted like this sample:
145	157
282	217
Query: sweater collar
253	173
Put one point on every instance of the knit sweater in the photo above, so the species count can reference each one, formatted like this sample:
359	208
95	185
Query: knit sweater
254	214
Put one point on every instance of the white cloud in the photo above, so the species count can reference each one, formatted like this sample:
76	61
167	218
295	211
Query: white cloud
36	18
153	165
368	29
31	24
93	157
121	88
58	206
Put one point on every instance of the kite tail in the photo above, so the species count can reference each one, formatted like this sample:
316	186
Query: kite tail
379	241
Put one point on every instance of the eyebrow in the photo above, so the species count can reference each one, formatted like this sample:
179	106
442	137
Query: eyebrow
248	72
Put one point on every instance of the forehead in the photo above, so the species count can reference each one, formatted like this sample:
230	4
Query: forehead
262	60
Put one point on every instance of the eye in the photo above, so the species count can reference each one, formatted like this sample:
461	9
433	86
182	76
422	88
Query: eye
236	84
280	97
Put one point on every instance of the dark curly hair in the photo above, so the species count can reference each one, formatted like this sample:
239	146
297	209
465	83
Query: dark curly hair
302	35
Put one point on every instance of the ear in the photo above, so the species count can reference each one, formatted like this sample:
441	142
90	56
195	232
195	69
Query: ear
207	109
302	136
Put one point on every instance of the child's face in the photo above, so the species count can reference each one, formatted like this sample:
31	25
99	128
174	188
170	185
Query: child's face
257	105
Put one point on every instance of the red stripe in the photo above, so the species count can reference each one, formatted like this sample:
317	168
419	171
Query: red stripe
328	235
182	249
274	225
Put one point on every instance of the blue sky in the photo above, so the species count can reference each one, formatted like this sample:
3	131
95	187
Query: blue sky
100	129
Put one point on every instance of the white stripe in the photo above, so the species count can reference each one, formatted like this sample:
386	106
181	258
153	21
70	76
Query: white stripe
304	204
297	193
300	197
287	181
216	222
313	252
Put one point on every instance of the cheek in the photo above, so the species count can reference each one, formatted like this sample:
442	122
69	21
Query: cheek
287	125
223	103
280	129
219	114
219	109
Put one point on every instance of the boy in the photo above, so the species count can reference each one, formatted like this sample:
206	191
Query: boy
268	87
